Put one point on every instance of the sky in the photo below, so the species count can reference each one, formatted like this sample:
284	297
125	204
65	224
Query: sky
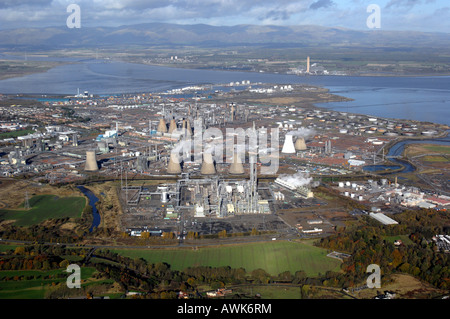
411	15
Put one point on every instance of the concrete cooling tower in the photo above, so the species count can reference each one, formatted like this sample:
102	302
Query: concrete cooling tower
91	162
236	167
162	128
172	126
288	146
208	165
300	144
174	166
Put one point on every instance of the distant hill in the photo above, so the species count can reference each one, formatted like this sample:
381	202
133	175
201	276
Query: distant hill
217	36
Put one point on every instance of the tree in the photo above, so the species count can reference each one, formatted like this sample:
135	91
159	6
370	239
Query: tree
64	264
20	250
223	234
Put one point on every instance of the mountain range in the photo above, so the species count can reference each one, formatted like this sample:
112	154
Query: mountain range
163	34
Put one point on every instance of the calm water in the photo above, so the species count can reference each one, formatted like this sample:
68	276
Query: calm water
397	150
92	200
415	98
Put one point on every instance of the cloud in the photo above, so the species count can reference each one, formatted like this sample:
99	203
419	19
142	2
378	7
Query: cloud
348	13
19	3
321	4
406	3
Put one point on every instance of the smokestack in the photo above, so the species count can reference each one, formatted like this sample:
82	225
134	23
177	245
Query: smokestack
162	128
187	127
236	167
208	165
307	65
91	162
174	164
172	126
300	144
288	147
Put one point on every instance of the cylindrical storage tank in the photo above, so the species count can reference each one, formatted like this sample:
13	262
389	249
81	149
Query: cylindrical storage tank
346	194
164	194
341	184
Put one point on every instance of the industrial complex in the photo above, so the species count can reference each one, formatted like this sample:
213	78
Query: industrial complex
204	159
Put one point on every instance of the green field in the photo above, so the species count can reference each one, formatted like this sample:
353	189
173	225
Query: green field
33	288
5	248
273	257
44	207
15	133
404	238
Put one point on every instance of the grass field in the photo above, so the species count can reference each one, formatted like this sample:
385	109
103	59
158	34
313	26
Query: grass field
418	149
273	257
15	133
5	248
44	207
33	288
404	238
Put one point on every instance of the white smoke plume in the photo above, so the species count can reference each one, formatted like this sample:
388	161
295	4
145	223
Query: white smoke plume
303	132
297	179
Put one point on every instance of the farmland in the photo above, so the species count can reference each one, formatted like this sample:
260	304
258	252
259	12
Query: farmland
44	207
33	284
273	257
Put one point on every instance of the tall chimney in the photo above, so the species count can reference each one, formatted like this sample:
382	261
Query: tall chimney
307	65
91	162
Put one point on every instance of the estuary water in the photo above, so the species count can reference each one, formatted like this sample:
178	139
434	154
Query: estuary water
413	98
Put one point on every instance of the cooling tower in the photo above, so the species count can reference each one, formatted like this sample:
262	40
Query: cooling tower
91	162
236	167
208	165
174	164
288	147
172	126
300	144
162	128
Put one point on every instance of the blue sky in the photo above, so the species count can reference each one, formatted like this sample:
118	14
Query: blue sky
414	15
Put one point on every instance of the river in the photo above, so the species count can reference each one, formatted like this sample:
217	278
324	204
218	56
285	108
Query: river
397	150
92	201
411	98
